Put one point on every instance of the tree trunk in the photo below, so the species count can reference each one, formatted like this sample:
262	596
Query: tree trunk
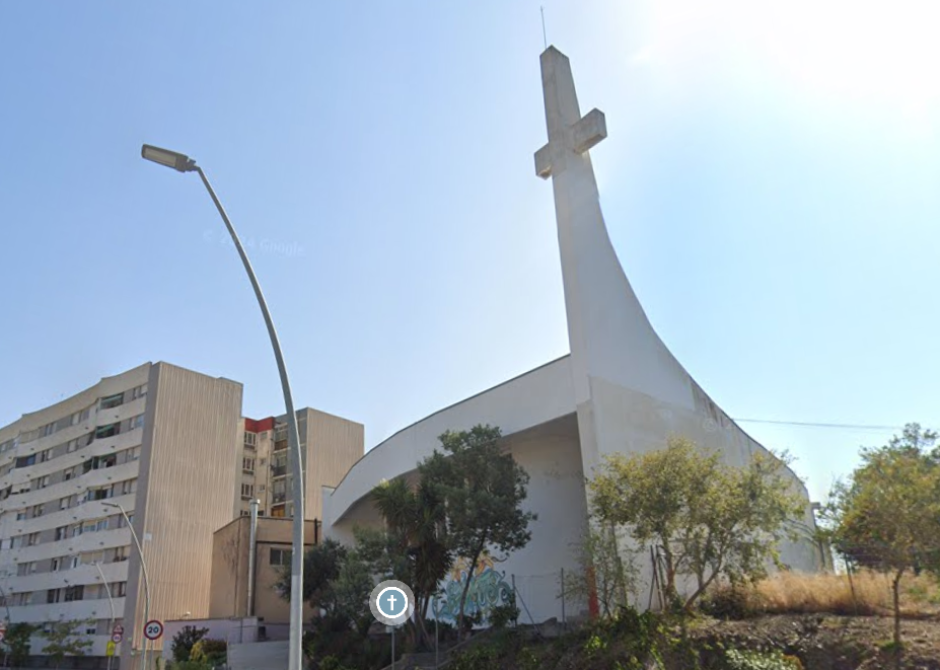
895	587
466	589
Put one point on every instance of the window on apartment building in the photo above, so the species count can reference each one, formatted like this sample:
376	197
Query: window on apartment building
260	512
74	562
111	401
245	512
42	482
248	464
248	490
138	392
57	564
61	533
22	569
119	589
128	486
65	503
132	454
21	515
135	422
99	462
120	554
38	510
24	461
45	455
76	592
250	439
76	530
53	596
109	430
280	557
46	430
32	540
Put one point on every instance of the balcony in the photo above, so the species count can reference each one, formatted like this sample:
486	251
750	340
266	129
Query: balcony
280	445
278	498
278	470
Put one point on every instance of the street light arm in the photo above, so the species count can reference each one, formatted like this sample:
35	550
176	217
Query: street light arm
143	567
295	659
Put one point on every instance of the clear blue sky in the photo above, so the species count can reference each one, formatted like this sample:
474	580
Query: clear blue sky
771	182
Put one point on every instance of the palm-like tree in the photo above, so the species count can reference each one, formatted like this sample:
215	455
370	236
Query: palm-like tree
416	530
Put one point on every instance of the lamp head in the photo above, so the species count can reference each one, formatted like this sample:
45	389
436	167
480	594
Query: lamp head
167	158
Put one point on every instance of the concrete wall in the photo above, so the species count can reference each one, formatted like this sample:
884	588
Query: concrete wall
333	446
188	483
229	583
529	400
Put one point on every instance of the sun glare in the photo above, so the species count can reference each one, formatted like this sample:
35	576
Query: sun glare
887	50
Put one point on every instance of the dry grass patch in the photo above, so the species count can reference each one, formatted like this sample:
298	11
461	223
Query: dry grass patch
867	593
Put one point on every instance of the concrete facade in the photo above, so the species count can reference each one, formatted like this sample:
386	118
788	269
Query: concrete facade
151	440
619	391
230	569
168	445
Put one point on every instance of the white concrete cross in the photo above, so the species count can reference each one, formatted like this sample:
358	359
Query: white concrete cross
569	134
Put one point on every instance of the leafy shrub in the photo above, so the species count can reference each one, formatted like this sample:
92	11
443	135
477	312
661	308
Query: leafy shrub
731	601
332	663
184	640
761	660
482	657
209	652
503	615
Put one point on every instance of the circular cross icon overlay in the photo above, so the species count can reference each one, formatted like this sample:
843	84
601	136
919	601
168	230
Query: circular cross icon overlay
392	603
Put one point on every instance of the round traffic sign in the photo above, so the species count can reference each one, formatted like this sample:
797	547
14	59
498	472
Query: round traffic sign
116	637
153	630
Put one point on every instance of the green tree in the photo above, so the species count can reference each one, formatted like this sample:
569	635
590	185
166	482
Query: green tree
209	651
16	641
184	640
607	570
887	516
65	639
322	564
482	489
413	549
707	519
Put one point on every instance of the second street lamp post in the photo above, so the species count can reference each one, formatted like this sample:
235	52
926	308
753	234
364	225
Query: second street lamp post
107	589
183	163
143	566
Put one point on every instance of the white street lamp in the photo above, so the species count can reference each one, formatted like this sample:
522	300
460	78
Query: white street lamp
184	163
143	565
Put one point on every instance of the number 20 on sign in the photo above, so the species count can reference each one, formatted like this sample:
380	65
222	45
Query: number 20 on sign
153	630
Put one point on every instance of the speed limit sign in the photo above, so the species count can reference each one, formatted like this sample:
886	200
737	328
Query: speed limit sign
153	630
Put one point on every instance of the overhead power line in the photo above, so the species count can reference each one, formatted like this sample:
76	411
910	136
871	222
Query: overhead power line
853	426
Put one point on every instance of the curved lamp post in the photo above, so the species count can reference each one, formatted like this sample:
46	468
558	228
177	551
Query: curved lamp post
107	588
143	565
183	163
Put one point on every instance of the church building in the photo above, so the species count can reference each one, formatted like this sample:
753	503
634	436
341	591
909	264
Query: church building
620	390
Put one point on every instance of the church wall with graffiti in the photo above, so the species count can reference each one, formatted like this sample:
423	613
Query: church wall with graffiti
488	588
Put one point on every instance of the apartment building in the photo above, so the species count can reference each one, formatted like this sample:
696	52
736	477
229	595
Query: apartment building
329	445
157	441
170	448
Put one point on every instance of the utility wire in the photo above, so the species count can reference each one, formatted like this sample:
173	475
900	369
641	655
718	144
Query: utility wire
857	426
